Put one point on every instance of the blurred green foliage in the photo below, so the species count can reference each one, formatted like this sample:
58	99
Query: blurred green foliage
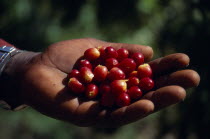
168	26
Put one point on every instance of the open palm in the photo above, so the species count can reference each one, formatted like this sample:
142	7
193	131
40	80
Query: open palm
44	85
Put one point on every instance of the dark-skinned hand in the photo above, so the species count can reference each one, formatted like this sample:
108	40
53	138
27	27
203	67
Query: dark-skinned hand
42	84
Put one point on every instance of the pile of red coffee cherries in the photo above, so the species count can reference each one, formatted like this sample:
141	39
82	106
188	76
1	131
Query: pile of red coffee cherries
114	77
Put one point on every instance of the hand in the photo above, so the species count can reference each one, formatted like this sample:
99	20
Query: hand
43	85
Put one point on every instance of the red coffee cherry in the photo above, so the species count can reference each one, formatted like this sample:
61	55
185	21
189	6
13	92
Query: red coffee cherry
92	54
123	100
146	84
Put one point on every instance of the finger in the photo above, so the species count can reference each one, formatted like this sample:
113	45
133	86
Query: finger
86	113
184	78
145	50
169	63
166	96
131	113
138	110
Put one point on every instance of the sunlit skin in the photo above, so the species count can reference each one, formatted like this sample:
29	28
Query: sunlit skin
42	84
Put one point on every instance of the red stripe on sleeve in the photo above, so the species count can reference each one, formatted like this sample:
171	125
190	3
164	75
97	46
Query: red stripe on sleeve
3	42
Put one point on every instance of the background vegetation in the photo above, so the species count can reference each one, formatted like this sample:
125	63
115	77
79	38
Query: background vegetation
168	26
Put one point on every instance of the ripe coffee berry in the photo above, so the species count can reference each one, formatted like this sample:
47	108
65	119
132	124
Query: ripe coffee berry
115	74
101	49
127	65
114	77
111	63
74	73
86	75
123	100
91	91
84	63
110	52
92	54
100	72
134	92
144	71
138	58
118	87
146	84
76	86
104	88
132	81
133	74
122	54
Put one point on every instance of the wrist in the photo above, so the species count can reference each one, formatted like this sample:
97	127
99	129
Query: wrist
10	80
18	64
